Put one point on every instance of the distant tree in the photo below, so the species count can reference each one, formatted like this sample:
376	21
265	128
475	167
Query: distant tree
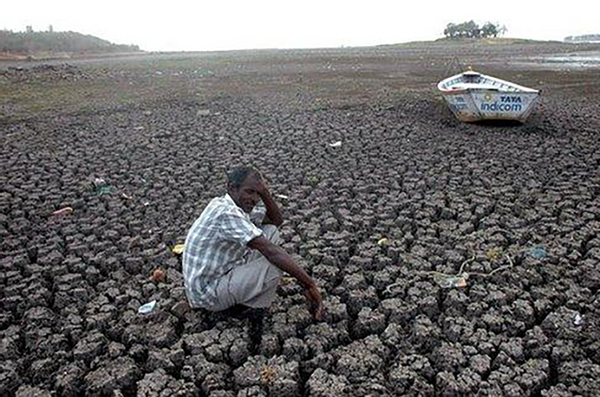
462	30
489	30
30	42
450	31
502	30
50	29
472	30
29	29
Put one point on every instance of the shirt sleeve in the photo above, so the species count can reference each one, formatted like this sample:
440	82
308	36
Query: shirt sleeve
257	215
236	227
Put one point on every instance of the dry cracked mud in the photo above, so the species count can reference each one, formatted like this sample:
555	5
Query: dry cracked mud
411	194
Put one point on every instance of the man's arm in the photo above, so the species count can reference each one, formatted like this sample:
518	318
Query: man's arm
273	215
280	258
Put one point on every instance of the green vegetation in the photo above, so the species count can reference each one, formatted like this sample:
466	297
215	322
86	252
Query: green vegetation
473	30
30	43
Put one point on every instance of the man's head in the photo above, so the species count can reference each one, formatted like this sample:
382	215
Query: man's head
242	186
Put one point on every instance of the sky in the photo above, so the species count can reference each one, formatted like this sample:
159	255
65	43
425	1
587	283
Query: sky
199	25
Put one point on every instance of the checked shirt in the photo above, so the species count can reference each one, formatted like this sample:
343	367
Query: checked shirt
215	244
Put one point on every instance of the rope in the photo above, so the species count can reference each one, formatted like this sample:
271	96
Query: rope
461	273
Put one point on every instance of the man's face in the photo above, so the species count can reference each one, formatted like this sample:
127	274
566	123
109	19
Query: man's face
246	196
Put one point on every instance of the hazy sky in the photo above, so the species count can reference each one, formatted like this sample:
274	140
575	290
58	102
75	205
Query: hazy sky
237	24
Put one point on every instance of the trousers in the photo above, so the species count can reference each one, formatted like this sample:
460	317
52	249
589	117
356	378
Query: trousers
253	284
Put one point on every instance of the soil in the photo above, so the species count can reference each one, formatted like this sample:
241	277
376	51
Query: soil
136	147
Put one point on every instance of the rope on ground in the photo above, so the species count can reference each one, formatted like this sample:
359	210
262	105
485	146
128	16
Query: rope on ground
454	280
509	266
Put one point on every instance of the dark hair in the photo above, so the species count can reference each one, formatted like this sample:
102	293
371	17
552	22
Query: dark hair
238	175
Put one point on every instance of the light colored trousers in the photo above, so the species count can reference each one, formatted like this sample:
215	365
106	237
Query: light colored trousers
253	284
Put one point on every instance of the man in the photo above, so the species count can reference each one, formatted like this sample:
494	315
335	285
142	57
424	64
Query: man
232	259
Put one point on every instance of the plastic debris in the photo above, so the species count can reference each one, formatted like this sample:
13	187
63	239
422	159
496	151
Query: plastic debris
578	320
98	182
147	308
450	281
336	144
538	253
178	249
282	196
203	112
105	190
383	241
63	211
126	197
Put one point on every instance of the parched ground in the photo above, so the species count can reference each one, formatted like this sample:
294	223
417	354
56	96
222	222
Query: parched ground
136	147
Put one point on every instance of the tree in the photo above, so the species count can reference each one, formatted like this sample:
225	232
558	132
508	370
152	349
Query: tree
489	30
472	30
461	30
30	42
502	30
450	30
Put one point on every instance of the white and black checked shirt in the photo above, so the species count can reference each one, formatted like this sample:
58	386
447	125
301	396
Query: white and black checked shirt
216	243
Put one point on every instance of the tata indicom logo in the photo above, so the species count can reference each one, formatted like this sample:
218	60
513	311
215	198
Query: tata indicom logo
507	103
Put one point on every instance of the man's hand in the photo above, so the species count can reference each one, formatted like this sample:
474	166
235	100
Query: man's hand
273	215
262	189
278	257
315	302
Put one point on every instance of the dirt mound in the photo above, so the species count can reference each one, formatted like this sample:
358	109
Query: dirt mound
43	72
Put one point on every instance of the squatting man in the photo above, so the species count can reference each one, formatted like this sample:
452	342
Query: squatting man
232	258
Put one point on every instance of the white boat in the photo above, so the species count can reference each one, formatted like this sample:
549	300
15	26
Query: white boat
473	96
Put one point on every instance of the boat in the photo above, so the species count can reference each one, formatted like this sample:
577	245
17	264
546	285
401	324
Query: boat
474	96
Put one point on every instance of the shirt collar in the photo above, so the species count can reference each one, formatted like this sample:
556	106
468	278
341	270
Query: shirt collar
232	203
229	200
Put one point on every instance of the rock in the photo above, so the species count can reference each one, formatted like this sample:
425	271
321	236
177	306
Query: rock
324	384
92	346
481	364
408	371
9	377
229	345
368	322
424	334
121	373
30	391
159	384
449	357
361	359
68	380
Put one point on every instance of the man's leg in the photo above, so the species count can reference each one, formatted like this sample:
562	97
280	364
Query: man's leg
253	284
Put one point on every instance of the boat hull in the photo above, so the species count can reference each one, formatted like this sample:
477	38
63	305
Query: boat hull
479	104
474	96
